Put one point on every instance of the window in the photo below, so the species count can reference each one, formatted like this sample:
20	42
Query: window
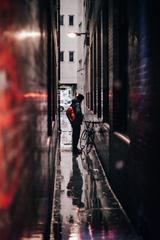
71	56
61	56
71	20
62	20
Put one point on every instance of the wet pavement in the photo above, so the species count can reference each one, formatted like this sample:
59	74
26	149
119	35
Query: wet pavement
85	206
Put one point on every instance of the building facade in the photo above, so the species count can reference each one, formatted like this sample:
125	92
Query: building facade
69	23
28	116
122	89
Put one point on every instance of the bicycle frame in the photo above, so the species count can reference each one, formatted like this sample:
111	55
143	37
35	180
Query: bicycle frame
88	135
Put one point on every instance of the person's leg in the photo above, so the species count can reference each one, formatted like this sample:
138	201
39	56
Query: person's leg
75	136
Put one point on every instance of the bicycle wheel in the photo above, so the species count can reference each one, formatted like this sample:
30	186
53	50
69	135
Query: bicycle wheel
83	139
89	142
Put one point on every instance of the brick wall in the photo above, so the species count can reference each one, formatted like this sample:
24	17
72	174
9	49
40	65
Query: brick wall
133	82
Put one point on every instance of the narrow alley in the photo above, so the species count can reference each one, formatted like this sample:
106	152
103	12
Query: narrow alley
85	207
104	54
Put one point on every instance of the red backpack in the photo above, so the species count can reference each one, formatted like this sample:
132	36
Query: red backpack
71	114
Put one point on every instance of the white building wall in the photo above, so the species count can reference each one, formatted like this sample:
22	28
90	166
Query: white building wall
80	50
69	69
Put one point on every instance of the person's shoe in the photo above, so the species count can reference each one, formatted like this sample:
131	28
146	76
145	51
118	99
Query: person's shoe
80	205
77	151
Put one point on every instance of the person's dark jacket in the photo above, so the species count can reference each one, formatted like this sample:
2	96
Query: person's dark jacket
78	112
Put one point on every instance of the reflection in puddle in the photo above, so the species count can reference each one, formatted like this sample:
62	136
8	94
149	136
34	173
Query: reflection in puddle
85	207
74	187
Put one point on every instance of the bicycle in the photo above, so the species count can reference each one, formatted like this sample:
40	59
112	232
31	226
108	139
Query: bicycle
88	135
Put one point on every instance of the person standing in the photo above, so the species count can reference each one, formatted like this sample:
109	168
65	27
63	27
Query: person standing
76	122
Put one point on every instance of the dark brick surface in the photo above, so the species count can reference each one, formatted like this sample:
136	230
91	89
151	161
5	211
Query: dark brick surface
134	109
